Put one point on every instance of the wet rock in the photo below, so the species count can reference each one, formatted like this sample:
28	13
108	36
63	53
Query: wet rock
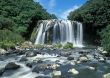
53	66
100	49
26	45
44	67
40	67
72	62
91	68
81	52
2	51
65	54
31	54
39	61
104	52
101	59
84	52
106	75
20	52
2	71
73	71
23	58
11	66
71	57
42	77
31	64
83	59
56	74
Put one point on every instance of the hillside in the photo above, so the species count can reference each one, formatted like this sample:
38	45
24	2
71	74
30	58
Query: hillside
95	15
18	18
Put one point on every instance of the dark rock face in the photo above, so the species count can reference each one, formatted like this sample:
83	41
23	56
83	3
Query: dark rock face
70	57
32	64
23	58
12	66
39	68
42	68
39	61
2	71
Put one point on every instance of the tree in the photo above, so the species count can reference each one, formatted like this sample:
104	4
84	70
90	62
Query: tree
95	15
20	17
21	14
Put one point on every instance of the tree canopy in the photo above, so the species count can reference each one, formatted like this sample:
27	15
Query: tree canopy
95	14
21	16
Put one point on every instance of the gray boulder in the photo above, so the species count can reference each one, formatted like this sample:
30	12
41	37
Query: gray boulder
106	75
12	66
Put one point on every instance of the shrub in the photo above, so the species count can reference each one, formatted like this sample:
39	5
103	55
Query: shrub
7	46
68	45
57	45
105	38
9	39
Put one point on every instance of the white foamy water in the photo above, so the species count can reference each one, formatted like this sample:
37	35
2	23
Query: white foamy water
60	31
22	72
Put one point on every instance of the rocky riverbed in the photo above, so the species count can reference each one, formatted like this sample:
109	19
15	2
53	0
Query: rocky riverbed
54	63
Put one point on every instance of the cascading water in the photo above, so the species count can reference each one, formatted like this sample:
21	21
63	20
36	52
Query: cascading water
60	31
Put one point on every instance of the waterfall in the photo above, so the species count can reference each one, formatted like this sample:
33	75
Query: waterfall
60	31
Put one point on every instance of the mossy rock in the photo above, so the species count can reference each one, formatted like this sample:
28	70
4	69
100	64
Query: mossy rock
68	45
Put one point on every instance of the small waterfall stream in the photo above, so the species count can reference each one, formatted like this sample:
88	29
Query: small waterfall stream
60	31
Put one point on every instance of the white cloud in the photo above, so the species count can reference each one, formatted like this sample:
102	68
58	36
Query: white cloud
40	1
66	13
52	4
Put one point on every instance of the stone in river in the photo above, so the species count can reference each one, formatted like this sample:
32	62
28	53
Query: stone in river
11	66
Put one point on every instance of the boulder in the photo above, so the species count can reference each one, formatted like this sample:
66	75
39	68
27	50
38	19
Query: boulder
104	52
56	74
53	66
101	59
26	45
106	75
23	58
71	57
83	59
40	67
31	64
40	61
11	66
91	68
31	54
3	51
2	71
100	49
73	71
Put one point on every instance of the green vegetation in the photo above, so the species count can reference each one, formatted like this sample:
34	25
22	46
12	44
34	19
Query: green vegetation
8	39
105	35
93	12
68	45
18	19
95	15
57	45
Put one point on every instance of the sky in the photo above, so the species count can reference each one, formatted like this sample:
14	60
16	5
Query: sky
61	8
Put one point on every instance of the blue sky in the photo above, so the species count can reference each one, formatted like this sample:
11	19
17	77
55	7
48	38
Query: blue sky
61	8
